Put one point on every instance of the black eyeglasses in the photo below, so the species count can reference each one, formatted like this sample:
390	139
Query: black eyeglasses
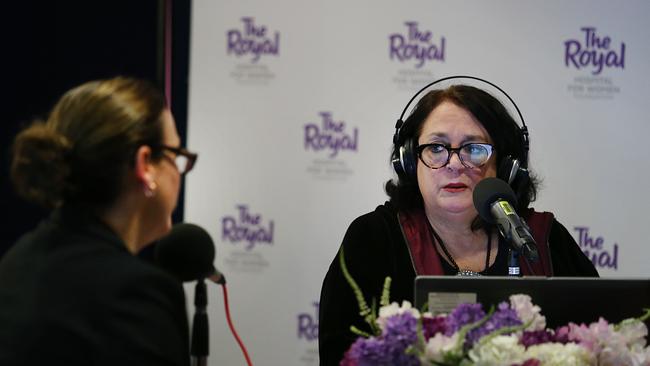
473	155
184	159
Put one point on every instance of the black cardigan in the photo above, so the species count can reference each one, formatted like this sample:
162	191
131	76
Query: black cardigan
71	294
375	248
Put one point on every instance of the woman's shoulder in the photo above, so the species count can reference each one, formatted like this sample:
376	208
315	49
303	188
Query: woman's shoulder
381	215
377	229
567	256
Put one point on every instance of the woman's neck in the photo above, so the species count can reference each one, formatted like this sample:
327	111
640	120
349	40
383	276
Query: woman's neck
457	233
122	217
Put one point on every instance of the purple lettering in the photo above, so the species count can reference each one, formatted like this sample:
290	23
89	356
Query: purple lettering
417	45
251	30
415	34
396	43
308	325
595	53
329	124
590	33
248	229
246	217
572	49
584	240
332	137
593	249
252	41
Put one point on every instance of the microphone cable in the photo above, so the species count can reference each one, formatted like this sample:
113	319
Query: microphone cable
232	328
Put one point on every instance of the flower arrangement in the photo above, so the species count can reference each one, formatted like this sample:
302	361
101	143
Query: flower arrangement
514	333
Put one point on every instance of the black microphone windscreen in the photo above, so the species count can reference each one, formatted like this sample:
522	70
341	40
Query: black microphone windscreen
187	252
488	191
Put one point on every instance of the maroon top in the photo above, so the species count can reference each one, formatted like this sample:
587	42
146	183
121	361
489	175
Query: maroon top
426	260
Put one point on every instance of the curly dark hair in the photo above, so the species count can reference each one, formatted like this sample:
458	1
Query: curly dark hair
502	128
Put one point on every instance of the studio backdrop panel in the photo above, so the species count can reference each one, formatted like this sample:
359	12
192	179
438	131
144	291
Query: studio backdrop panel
293	106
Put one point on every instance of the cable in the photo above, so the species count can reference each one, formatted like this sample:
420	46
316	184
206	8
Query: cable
232	328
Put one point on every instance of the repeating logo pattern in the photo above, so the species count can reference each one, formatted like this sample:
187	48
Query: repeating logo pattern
252	40
248	228
330	135
596	52
416	44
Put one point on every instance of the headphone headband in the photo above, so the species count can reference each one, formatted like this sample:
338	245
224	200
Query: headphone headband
524	129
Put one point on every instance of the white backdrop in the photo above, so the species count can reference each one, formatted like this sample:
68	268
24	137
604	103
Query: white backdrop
274	85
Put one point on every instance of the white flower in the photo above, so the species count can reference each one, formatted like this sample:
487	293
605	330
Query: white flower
393	309
639	355
439	345
634	332
499	350
526	311
552	354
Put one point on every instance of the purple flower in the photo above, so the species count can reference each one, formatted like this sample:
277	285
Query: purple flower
462	315
399	333
531	338
401	329
368	351
562	335
431	326
503	317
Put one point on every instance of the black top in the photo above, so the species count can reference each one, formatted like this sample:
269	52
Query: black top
498	268
375	248
71	294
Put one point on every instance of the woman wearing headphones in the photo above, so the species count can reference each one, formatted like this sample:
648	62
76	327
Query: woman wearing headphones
453	139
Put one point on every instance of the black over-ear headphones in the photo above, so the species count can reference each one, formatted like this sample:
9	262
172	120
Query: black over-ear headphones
512	169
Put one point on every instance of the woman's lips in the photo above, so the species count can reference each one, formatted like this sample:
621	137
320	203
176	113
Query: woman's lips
455	187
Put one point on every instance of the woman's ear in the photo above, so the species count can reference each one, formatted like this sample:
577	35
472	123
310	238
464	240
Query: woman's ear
145	170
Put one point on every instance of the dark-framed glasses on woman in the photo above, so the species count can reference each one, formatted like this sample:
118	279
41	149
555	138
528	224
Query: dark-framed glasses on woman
183	159
472	155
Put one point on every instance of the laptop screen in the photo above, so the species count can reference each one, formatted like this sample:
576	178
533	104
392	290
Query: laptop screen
562	299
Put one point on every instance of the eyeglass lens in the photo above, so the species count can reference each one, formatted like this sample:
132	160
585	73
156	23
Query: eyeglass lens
471	155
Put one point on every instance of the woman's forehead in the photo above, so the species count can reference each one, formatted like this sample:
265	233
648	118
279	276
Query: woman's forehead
449	120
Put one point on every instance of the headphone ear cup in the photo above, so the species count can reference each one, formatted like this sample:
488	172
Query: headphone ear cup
409	158
405	163
397	163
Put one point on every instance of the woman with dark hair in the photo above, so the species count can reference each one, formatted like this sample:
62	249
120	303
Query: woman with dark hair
454	138
108	161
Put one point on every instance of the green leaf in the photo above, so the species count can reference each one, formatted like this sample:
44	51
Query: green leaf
366	313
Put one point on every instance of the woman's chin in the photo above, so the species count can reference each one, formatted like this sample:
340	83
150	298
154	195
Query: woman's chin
459	209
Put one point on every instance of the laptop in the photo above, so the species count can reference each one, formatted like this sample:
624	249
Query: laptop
562	299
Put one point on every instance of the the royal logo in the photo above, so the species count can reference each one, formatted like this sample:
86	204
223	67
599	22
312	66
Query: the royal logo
330	135
246	227
308	325
416	44
594	249
253	39
595	52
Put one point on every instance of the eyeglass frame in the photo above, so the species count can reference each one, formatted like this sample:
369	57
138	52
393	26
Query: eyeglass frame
180	151
420	148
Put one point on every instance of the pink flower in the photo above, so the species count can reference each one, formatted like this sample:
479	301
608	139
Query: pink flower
526	312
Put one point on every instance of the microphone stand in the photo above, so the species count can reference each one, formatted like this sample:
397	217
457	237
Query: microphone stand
513	263
200	329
